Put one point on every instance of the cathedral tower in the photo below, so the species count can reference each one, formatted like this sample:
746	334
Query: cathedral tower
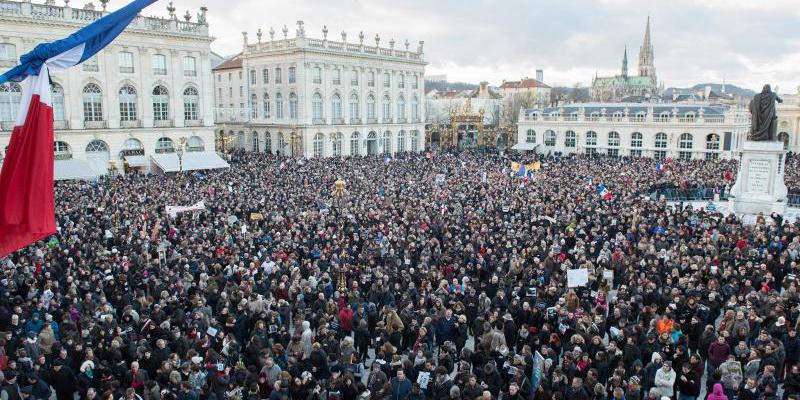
646	62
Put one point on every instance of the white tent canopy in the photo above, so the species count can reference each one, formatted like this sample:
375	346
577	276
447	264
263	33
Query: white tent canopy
136	161
192	161
72	169
524	146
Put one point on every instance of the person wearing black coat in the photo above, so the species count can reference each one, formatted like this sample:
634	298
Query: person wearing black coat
576	391
441	385
63	380
688	383
791	384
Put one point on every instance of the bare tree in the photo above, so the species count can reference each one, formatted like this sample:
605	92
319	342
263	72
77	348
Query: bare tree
513	103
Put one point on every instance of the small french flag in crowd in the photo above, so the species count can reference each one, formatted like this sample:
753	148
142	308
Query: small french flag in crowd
603	192
660	167
27	202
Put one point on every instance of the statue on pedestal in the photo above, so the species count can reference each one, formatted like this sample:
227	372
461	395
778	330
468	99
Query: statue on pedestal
764	120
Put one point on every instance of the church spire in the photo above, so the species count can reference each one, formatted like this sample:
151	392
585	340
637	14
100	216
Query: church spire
646	43
625	63
646	57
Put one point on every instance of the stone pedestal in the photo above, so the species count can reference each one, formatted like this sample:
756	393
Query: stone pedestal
759	186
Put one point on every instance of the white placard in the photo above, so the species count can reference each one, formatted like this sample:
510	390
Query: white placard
423	378
577	277
211	331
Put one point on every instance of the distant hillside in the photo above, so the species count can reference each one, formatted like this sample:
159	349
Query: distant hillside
716	87
449	86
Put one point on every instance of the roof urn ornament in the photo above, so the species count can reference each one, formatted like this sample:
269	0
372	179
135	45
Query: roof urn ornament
271	33
324	32
361	42
187	16
285	32
171	8
301	30
259	34
377	40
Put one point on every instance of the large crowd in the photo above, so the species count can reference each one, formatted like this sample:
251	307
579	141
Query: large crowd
432	276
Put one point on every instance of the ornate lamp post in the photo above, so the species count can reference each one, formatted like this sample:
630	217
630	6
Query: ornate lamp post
112	168
179	151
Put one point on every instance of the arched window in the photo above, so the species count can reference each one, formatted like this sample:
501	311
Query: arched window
549	138
59	111
530	136
354	142
10	96
401	108
132	147
401	141
414	109
685	143
165	145
636	144
318	145
253	106
191	104
712	145
279	106
255	138
62	150
387	142
371	107
195	145
316	106
660	145
570	139
613	144
336	106
336	142
414	140
387	108
160	103
95	146
92	103
292	106
354	107
127	104
266	104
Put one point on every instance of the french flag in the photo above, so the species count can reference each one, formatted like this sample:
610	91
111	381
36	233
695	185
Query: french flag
660	167
604	192
27	202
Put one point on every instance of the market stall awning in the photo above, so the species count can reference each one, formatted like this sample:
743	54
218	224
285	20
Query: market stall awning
170	162
524	146
72	169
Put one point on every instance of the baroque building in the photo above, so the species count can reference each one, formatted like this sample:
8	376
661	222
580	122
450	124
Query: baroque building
138	104
683	131
619	87
311	97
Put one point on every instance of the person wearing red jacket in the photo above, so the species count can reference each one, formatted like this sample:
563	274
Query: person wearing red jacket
717	354
346	319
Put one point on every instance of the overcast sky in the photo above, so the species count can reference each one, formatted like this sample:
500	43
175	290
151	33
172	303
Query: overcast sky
749	42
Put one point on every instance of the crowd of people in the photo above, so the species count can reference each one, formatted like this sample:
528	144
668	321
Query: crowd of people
432	276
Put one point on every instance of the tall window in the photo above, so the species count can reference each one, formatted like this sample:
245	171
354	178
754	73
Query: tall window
125	62
337	77
189	66
414	140
253	106
59	113
316	106
8	53
279	106
336	106
387	108
92	103
530	136
292	106
62	150
255	142
415	85
127	103
401	141
159	64
160	103
401	108
316	74
266	105
371	107
318	142
591	138
354	106
414	108
191	102
636	144
354	142
267	142
354	78
387	142
252	75
387	79
660	145
10	96
549	138
371	79
278	78
292	73
712	145
570	139
265	75
401	82
685	144
336	141
613	144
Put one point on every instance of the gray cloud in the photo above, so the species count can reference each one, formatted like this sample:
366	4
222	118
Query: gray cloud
748	42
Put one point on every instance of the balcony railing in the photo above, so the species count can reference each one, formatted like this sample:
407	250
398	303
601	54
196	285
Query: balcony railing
135	123
95	124
337	121
318	121
355	121
159	71
163	123
60	125
189	73
126	70
372	120
7	125
91	67
387	120
193	122
401	120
